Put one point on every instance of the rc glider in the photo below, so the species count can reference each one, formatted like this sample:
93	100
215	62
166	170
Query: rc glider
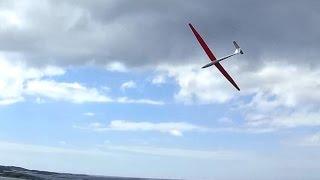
214	60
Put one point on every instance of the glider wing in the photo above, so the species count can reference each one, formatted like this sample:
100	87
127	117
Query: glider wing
202	43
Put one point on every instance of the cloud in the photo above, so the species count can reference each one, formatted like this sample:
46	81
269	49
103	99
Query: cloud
89	114
284	97
176	132
10	100
275	84
128	85
63	143
197	85
172	128
40	100
177	129
9	18
280	120
225	120
14	147
14	76
311	140
73	92
116	67
147	33
159	79
122	34
176	152
110	34
18	80
77	93
126	100
112	150
277	95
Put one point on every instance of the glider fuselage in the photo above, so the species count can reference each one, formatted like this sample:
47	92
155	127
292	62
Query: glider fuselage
223	58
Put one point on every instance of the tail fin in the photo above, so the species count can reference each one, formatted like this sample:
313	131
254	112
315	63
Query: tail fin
238	49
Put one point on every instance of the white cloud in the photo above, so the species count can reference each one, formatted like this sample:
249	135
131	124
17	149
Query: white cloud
159	79
198	85
26	148
62	143
89	114
40	100
286	84
289	84
15	75
18	81
126	100
8	101
284	97
280	119
311	140
225	120
105	88
172	128
108	149
73	92
128	85
280	95
175	132
176	152
11	19
116	67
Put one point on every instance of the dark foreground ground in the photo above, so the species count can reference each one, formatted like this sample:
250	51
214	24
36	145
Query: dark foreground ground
17	173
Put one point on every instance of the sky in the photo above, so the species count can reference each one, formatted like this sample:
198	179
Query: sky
116	88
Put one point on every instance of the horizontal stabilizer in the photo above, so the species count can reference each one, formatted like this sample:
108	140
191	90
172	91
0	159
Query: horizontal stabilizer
238	49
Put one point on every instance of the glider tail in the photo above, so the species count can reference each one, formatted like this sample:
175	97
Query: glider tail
238	49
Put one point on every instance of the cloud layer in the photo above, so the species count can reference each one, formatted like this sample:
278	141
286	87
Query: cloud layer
172	128
18	81
140	33
279	95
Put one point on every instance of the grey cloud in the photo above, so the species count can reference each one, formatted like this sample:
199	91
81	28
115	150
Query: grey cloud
142	32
